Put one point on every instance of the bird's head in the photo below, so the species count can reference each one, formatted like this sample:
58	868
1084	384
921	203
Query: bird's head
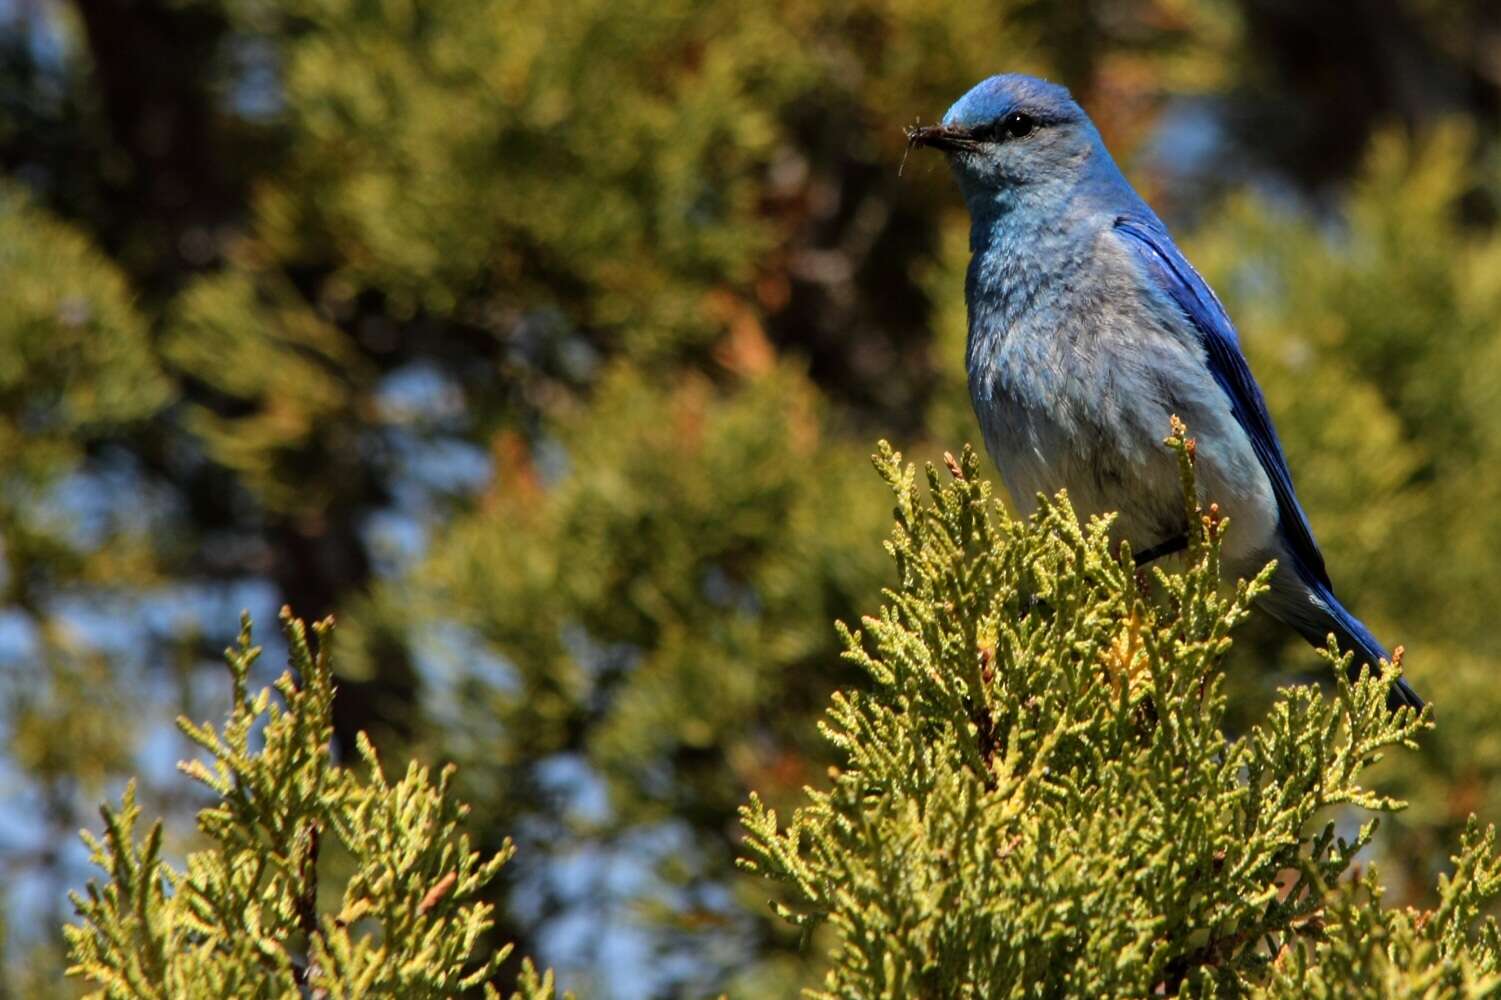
1011	132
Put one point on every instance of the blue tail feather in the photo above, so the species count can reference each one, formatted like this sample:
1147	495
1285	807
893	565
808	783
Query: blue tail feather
1352	634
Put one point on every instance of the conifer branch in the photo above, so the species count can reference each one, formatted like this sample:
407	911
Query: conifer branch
242	917
1038	795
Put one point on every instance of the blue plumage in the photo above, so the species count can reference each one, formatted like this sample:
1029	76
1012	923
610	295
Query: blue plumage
1178	279
1088	328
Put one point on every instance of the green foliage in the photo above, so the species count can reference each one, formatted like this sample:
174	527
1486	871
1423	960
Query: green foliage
242	918
293	376
77	375
1037	795
704	542
654	612
72	344
1364	949
76	368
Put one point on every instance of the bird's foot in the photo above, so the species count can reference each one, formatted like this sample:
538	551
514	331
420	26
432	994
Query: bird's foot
1166	547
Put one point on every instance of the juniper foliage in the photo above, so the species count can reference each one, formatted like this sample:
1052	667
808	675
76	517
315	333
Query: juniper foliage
1039	796
242	918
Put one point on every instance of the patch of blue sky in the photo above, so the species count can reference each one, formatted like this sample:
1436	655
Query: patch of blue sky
601	940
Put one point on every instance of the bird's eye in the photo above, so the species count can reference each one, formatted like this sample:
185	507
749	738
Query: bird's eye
1017	125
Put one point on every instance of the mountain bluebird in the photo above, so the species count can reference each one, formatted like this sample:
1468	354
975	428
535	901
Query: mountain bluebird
1088	329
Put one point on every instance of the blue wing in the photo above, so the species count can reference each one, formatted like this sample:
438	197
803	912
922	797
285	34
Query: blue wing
1147	238
1177	279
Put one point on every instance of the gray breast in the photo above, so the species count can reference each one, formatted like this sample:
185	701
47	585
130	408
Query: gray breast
1074	382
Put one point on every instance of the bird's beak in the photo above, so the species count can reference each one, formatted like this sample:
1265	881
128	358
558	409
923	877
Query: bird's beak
949	138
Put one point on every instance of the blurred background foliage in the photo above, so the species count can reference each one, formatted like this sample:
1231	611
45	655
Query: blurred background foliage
544	344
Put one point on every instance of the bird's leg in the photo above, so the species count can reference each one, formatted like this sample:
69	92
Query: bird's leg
1166	547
